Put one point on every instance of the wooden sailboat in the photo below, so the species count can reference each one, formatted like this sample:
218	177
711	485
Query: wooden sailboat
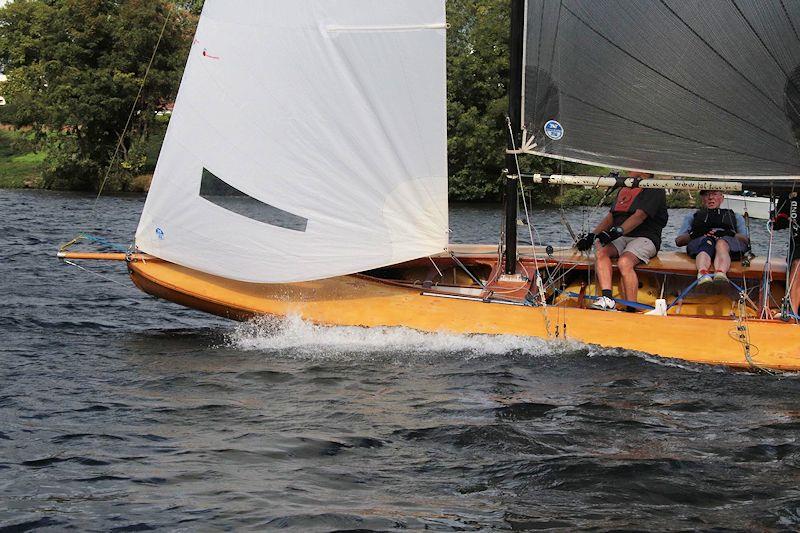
288	186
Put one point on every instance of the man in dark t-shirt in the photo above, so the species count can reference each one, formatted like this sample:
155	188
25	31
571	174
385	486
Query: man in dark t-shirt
631	231
787	216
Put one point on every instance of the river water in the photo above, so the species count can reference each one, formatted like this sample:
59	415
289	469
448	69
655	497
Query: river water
119	412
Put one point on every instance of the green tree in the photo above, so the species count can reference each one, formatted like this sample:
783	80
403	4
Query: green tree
75	68
477	81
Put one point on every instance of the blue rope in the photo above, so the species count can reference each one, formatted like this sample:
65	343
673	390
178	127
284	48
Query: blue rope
684	294
103	242
735	286
635	305
691	287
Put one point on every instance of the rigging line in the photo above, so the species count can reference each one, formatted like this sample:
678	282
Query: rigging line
539	283
792	229
553	282
760	40
67	261
791	278
555	37
766	274
436	266
133	110
742	333
530	235
660	130
685	88
566	224
739	72
532	228
519	184
465	269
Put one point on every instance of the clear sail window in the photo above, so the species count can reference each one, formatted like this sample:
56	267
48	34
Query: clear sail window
220	193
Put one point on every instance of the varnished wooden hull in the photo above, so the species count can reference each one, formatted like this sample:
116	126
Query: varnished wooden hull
361	301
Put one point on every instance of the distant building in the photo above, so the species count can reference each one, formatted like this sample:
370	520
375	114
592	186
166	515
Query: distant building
3	79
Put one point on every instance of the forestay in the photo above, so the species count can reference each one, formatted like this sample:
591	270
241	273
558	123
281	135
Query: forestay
308	140
684	87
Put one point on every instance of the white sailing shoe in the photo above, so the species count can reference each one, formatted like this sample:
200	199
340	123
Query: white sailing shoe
704	277
604	303
720	278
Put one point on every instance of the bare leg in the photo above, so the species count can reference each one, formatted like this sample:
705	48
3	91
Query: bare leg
602	265
794	292
722	260
703	261
630	281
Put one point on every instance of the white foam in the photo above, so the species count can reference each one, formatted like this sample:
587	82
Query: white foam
298	337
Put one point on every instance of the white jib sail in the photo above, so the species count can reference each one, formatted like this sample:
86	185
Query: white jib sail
308	140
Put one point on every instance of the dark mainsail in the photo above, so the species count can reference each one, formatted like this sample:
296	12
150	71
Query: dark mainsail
702	88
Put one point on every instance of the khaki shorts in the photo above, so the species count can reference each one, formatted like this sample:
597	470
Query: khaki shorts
641	247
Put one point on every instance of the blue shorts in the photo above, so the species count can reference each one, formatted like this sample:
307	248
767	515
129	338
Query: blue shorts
709	245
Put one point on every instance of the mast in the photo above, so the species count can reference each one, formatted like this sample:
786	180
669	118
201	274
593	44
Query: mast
515	135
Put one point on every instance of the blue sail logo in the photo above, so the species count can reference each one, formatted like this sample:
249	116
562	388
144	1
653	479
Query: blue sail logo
554	130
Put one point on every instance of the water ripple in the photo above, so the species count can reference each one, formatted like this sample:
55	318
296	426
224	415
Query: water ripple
119	412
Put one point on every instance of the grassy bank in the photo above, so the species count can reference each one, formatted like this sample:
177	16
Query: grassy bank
20	166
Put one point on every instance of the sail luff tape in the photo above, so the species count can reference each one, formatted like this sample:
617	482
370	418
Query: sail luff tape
371	29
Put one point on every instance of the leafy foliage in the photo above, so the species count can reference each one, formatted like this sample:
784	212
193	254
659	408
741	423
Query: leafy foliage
576	196
477	82
75	68
680	198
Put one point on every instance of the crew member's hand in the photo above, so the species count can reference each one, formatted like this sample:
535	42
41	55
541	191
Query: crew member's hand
719	233
610	234
585	242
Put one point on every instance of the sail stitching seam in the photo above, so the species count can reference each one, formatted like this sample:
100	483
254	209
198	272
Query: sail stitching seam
701	143
685	88
409	27
789	20
739	72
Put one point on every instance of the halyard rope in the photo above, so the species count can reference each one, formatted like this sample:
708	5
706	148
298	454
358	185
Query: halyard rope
133	110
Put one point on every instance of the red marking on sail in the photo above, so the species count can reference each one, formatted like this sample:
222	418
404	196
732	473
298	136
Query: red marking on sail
209	56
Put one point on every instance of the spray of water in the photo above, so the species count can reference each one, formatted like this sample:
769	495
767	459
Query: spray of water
294	336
